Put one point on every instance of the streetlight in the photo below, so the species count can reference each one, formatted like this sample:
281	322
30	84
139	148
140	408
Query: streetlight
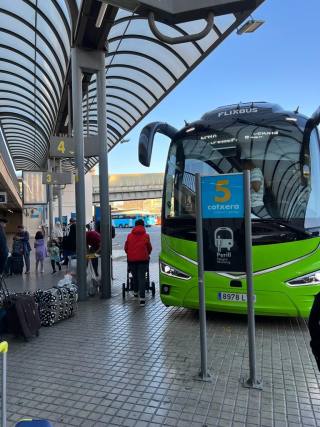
250	26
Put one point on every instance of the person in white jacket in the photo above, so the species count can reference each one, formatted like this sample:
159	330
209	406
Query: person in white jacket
57	232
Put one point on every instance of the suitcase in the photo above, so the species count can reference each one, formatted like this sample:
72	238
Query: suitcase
16	264
57	304
17	247
7	267
23	423
22	315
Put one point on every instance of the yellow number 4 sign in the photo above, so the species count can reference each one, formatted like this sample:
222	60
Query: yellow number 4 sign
222	187
61	147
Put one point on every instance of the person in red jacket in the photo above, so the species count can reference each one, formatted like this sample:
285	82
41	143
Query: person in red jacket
138	249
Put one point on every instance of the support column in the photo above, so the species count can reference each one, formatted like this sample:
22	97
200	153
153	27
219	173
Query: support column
106	241
80	173
50	196
60	197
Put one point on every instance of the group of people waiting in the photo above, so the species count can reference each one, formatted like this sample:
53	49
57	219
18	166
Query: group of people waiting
61	245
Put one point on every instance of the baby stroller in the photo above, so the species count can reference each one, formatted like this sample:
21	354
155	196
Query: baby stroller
128	286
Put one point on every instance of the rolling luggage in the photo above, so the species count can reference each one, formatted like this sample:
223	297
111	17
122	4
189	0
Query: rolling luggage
16	264
57	304
7	267
17	247
22	315
22	423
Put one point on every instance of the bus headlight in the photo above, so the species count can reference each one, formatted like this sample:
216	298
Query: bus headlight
173	272
306	280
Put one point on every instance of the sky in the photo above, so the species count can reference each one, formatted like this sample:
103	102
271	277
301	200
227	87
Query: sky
278	63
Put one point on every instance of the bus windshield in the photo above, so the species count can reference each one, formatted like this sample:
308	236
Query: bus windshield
284	203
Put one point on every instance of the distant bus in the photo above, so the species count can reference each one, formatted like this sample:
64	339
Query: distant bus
122	220
128	219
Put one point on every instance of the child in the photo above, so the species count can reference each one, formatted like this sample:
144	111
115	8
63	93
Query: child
41	250
54	253
138	249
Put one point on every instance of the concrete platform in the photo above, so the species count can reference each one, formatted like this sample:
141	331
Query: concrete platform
118	364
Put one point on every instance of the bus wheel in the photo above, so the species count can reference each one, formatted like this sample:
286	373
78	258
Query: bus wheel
153	288
123	290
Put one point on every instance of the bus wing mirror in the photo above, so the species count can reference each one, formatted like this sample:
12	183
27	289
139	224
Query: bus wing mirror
316	117
304	154
147	136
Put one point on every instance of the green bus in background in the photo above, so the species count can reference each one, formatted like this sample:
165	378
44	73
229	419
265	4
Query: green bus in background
281	148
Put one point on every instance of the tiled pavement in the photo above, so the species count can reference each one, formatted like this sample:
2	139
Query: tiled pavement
118	364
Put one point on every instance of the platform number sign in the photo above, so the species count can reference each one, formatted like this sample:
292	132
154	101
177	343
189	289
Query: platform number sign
222	212
48	178
61	147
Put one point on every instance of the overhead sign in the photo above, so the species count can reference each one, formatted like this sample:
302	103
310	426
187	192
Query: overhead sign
222	211
65	146
3	198
57	178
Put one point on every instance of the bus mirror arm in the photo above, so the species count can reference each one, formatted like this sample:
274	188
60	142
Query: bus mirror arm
316	117
147	136
304	154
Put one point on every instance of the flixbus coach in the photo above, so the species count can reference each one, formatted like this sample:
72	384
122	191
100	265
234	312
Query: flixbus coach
281	148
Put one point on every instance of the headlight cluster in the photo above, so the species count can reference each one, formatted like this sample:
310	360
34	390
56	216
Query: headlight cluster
307	280
173	272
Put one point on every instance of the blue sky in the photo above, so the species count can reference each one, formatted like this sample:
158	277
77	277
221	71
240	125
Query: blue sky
278	63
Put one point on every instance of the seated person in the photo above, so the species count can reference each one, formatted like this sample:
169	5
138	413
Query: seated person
256	181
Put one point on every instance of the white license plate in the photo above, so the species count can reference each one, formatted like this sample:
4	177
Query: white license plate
233	297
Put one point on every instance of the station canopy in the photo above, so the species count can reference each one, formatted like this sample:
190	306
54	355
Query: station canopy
36	38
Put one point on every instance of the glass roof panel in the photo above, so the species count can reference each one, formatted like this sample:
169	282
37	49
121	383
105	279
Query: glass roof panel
140	62
151	51
20	8
139	76
54	38
53	15
131	85
14	25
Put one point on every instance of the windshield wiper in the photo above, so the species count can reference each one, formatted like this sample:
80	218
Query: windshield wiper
285	224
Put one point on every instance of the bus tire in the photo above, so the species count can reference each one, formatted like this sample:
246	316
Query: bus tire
153	288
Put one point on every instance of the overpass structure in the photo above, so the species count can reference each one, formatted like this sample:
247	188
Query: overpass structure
130	187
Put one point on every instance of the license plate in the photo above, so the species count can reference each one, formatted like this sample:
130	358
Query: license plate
233	297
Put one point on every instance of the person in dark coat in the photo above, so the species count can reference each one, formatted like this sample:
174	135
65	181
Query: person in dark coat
3	244
138	249
69	242
22	239
314	328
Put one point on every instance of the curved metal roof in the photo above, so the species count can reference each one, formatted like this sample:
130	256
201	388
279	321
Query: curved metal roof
141	70
35	39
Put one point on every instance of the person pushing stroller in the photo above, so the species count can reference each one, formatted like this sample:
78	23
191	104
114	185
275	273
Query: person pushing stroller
138	249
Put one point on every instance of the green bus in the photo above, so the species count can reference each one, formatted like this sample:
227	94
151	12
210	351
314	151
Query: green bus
281	148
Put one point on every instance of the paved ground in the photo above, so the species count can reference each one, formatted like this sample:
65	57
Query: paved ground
118	364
